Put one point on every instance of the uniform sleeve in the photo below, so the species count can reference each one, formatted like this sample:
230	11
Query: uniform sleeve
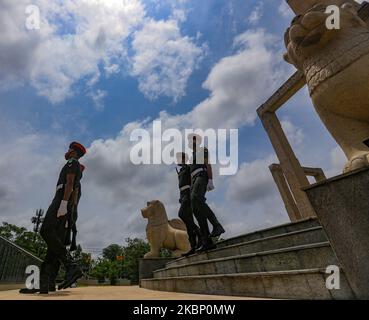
72	167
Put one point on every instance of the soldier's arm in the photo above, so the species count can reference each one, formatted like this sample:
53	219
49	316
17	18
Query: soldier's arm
75	196
209	169
69	186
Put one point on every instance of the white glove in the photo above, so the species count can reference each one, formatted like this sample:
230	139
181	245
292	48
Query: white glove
210	186
63	209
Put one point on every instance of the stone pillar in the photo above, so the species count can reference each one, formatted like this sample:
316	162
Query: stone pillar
342	207
291	167
285	192
317	173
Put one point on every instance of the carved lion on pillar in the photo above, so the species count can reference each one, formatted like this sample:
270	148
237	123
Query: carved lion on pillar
336	67
161	233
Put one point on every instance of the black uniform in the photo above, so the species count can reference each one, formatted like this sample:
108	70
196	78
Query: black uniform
71	231
54	229
199	185
71	236
185	210
73	245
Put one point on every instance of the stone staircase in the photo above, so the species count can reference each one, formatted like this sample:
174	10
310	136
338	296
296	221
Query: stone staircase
284	262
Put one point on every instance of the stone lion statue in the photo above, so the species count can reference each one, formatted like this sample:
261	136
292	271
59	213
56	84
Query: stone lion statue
336	67
161	233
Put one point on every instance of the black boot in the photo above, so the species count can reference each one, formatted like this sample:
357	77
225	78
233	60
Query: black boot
52	287
207	245
28	291
189	253
217	231
192	237
44	278
73	273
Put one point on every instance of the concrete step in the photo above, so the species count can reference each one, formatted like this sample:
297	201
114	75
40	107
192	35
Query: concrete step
319	255
293	284
273	231
280	241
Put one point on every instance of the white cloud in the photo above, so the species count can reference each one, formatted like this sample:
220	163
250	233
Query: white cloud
164	59
285	11
55	57
28	168
80	38
98	98
252	182
256	14
338	161
238	84
294	134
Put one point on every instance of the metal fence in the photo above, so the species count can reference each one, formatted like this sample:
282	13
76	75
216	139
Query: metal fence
14	261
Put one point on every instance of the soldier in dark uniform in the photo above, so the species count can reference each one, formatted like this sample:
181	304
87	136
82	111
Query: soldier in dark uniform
56	224
71	231
71	238
202	181
185	210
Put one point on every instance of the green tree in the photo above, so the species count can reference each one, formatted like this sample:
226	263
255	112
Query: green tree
134	250
83	258
105	268
27	240
112	251
100	269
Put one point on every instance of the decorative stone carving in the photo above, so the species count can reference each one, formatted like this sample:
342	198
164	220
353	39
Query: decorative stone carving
336	66
162	233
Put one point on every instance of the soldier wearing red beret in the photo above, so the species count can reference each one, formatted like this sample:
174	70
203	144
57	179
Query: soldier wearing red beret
57	221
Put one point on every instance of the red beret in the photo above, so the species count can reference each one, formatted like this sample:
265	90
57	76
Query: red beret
78	147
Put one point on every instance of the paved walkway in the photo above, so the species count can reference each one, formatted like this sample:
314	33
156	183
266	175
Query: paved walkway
112	293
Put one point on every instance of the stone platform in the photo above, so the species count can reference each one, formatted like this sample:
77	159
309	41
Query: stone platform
111	293
284	262
342	207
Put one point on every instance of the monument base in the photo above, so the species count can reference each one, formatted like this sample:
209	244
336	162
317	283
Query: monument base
342	206
148	266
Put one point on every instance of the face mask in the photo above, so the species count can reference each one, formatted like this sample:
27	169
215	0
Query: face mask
67	156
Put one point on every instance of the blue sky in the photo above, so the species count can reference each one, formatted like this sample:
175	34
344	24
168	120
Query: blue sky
217	21
96	67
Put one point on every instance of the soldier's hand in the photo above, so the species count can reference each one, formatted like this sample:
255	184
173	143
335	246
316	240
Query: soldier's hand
210	186
63	209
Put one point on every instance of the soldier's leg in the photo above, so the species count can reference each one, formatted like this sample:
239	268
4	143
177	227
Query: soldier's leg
54	241
49	233
73	245
197	204
54	271
217	227
200	210
46	271
185	213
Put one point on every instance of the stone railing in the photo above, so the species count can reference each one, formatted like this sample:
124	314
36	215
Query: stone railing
14	261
